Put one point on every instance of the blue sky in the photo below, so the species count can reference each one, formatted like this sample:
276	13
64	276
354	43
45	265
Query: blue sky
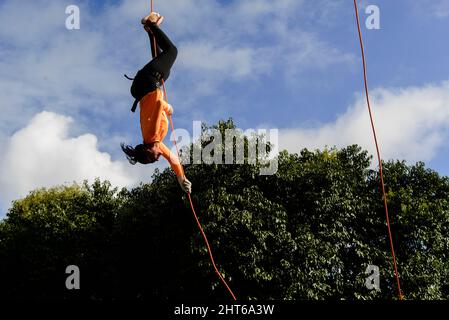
293	65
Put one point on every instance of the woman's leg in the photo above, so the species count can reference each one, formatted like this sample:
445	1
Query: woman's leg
149	77
163	62
154	43
161	38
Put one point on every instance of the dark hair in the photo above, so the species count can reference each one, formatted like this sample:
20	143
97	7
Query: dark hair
137	154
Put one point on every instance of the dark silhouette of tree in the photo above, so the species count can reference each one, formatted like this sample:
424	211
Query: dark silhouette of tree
307	232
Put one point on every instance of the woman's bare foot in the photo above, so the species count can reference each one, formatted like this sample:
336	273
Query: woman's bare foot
159	21
153	17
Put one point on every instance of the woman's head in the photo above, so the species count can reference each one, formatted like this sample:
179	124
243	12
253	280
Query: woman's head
142	153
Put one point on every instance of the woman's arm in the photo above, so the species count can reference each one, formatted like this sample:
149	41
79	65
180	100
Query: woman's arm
185	184
172	159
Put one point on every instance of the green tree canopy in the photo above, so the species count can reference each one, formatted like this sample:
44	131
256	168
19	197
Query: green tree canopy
307	232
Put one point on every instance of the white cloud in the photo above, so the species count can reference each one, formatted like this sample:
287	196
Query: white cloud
30	24
218	63
42	154
438	8
412	124
431	8
250	41
441	8
207	57
313	53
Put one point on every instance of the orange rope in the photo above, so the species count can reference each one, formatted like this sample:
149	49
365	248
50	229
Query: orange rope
400	295
199	224
188	194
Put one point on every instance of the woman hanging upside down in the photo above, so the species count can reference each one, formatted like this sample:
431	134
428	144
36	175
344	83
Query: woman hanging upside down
153	108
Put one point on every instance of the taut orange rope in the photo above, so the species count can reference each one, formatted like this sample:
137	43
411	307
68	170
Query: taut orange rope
378	152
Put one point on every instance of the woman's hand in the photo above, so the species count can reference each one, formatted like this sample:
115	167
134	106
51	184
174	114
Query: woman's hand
185	184
170	109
